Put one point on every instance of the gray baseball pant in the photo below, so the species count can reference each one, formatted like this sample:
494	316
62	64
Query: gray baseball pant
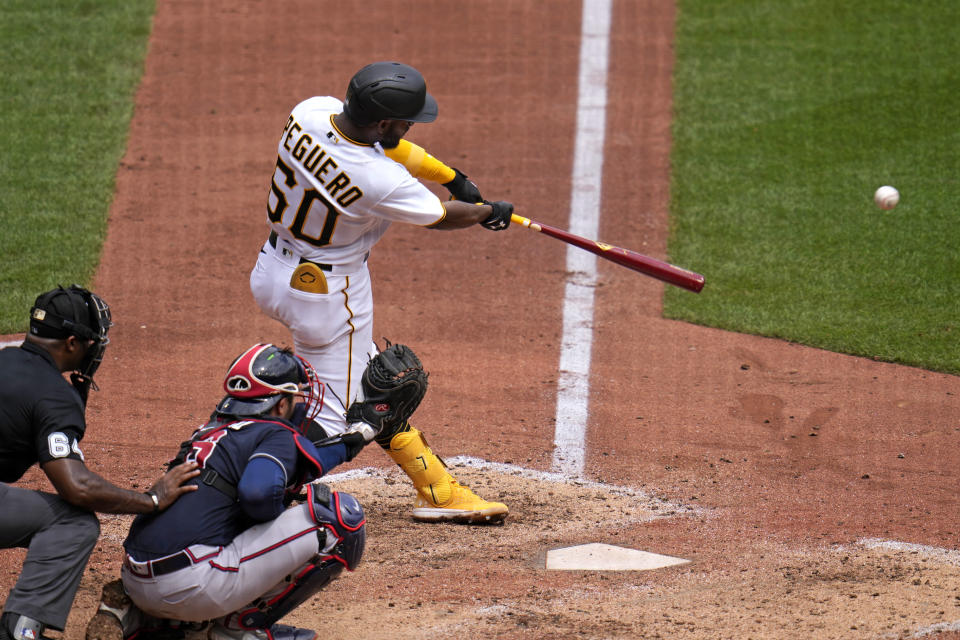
59	539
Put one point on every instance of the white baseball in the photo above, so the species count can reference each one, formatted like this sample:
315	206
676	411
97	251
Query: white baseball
886	197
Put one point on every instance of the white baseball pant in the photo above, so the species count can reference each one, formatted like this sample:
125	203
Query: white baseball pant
333	331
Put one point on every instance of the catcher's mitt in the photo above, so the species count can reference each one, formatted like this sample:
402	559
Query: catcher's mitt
394	383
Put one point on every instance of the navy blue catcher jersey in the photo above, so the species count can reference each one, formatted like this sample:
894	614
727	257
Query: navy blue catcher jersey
41	414
210	516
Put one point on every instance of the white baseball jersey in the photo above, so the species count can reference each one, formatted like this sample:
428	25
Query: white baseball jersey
333	198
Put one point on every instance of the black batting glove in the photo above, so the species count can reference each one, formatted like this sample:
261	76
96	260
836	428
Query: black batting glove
500	218
463	189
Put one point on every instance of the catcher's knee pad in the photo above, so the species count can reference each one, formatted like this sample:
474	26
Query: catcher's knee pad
429	473
342	526
341	537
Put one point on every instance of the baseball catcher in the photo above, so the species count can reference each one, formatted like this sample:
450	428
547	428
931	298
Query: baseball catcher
240	553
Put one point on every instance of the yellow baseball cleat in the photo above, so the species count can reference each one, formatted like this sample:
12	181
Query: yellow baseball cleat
440	498
463	505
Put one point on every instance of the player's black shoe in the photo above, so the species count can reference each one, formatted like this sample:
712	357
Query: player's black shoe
18	627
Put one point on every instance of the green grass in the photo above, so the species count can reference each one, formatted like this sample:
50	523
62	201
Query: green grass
788	115
68	71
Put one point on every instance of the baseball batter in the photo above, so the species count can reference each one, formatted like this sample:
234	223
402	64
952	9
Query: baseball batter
343	175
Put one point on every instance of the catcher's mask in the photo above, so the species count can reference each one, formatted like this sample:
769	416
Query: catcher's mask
389	91
74	311
261	375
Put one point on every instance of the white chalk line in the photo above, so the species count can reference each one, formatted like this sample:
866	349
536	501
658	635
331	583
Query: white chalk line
943	555
573	382
522	472
937	628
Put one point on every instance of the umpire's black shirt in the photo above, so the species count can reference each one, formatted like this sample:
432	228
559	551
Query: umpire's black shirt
41	414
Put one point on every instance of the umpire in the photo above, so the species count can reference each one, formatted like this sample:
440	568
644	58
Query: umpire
42	421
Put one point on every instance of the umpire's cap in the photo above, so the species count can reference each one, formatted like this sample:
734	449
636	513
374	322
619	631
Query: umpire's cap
72	311
258	379
389	91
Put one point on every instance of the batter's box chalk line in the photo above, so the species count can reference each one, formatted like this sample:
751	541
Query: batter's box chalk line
665	508
945	556
937	628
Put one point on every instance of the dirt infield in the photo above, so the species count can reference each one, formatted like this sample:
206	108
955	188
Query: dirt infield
813	493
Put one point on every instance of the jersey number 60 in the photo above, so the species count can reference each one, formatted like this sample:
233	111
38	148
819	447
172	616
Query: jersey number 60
303	210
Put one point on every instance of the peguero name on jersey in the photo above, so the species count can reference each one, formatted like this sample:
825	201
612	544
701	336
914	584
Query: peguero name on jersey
315	161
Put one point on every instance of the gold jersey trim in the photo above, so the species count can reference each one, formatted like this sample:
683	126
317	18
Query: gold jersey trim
345	136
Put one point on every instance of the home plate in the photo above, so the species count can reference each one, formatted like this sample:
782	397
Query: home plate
607	557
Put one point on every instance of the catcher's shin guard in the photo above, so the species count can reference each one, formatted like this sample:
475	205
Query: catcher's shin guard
341	538
272	606
440	498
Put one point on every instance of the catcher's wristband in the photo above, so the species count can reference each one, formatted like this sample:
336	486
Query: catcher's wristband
156	500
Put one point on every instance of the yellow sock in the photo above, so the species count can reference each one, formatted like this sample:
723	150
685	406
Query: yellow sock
428	472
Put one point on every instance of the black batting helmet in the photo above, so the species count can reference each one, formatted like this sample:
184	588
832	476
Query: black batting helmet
389	91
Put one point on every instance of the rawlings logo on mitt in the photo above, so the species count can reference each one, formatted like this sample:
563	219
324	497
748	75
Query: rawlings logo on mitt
394	383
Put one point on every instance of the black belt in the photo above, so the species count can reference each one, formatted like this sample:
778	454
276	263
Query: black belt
163	566
320	265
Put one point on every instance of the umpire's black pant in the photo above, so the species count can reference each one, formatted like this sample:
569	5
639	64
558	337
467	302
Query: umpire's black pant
59	539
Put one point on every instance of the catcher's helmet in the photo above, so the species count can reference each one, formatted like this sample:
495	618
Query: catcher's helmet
74	311
261	375
389	91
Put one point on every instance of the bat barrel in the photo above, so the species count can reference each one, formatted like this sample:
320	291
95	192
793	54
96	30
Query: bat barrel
664	271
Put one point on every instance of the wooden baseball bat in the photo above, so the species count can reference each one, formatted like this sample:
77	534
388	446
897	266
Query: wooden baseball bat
671	274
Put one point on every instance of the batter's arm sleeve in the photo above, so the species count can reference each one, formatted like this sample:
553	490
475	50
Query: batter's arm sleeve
419	163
